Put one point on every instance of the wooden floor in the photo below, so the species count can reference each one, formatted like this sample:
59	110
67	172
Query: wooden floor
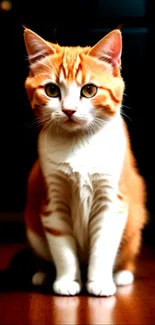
134	304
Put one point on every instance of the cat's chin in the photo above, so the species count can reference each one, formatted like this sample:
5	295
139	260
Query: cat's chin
72	126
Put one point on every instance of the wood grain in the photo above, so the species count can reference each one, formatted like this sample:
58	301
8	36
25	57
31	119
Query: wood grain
134	304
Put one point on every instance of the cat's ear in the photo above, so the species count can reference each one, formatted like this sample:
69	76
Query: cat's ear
36	46
109	48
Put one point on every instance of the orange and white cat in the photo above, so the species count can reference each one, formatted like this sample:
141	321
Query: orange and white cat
86	199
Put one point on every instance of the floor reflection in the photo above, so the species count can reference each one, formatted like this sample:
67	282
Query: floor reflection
100	310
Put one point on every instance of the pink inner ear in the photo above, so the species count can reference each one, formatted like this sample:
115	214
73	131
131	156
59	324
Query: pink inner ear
109	48
36	46
112	52
114	47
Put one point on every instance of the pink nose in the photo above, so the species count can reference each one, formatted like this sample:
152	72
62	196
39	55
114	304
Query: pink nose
68	112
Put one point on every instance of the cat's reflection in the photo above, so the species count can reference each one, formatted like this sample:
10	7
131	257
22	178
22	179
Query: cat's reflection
66	302
100	310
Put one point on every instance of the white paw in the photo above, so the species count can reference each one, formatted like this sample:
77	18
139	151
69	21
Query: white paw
66	287
99	288
123	278
38	278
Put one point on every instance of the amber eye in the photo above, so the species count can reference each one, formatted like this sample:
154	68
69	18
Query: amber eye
88	91
52	90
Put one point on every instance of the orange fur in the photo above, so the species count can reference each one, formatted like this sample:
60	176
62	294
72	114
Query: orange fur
35	196
75	64
133	191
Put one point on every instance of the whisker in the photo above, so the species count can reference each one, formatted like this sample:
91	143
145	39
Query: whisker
26	58
99	120
46	125
128	107
122	113
36	123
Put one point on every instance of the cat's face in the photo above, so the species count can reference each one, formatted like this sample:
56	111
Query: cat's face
74	88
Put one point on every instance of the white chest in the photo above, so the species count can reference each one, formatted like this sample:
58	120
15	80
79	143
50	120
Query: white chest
82	158
101	153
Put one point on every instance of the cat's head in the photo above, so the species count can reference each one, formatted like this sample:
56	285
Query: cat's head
74	88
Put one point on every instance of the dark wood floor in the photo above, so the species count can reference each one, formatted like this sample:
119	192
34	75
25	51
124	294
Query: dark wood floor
134	304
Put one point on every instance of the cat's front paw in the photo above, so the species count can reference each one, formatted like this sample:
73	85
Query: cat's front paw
101	288
67	287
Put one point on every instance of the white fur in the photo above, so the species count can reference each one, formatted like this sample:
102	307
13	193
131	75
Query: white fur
71	99
81	158
68	279
92	150
103	253
101	288
124	277
66	287
101	153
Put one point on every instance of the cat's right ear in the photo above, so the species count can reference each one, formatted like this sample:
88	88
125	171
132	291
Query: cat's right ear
36	46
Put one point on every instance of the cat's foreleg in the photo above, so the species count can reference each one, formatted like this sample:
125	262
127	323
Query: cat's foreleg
58	231
105	232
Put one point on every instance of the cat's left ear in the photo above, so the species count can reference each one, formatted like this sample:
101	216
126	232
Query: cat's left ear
109	49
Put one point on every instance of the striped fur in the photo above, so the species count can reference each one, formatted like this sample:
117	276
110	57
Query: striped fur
86	199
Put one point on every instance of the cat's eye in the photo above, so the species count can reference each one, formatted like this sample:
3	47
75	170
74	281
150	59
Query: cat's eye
88	91
52	90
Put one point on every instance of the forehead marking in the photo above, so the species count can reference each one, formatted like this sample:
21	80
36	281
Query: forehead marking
62	76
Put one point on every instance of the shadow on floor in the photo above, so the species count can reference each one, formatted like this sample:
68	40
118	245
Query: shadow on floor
18	276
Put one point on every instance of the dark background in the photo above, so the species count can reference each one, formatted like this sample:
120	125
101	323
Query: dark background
73	22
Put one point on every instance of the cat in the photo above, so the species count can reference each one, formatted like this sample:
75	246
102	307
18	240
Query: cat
86	201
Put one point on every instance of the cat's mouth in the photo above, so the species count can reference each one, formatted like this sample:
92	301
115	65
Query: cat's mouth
76	122
70	121
73	124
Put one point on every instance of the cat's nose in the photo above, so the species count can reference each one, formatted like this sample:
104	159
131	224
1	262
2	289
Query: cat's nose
69	112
